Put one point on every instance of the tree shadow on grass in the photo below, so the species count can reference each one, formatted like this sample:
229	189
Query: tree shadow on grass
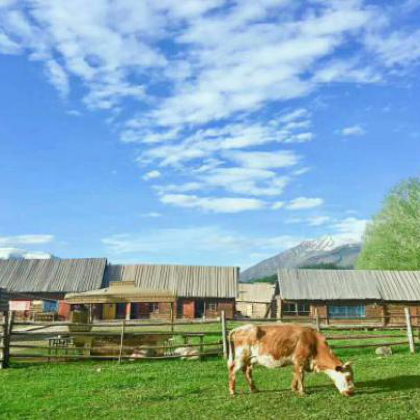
397	383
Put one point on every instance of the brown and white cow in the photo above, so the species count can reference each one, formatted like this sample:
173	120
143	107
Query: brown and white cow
276	346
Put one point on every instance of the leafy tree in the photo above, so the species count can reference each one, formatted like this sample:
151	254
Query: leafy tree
268	279
392	240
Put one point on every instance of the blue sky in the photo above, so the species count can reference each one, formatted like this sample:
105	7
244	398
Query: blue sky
202	132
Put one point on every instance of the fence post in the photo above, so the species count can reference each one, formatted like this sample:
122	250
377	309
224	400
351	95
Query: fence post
409	330
172	317
224	336
3	330
7	331
317	322
122	340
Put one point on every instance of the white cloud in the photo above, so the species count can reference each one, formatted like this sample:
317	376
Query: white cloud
277	205
397	48
206	245
152	214
318	220
302	203
349	230
249	181
17	253
151	175
294	115
265	160
354	130
74	112
213	204
25	240
57	76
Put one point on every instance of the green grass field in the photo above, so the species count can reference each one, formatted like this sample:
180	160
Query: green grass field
387	388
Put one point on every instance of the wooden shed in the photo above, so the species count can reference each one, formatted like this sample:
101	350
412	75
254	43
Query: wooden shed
201	291
350	296
49	280
124	300
256	300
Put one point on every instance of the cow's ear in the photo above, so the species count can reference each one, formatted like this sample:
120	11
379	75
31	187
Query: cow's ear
347	364
339	368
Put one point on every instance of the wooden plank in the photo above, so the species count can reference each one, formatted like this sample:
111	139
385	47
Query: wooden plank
224	336
122	340
3	330
80	357
361	346
410	336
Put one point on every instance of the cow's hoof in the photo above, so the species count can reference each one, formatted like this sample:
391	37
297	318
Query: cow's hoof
254	390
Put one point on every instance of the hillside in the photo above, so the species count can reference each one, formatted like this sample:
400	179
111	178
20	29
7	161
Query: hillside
324	250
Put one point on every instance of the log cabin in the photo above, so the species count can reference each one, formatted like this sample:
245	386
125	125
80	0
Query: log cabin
349	296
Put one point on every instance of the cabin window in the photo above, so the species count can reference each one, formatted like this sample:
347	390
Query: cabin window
354	311
296	309
211	306
154	308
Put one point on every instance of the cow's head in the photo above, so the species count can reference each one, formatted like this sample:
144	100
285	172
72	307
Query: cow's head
342	376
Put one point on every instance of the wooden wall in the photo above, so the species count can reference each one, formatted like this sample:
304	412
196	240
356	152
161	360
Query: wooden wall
254	309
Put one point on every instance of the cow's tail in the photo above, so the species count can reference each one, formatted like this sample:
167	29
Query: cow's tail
231	347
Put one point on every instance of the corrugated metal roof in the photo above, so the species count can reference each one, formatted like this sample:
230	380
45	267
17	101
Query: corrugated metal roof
183	280
53	275
125	291
349	285
256	292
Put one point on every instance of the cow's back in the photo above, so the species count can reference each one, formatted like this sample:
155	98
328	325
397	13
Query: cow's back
275	343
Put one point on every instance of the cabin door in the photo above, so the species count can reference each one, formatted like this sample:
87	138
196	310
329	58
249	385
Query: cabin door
109	311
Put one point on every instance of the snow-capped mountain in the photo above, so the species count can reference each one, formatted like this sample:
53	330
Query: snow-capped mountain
21	254
322	250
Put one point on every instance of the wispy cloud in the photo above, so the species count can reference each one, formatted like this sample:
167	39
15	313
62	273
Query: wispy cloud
205	243
303	203
213	204
25	240
354	130
151	175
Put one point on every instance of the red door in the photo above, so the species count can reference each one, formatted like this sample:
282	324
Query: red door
188	309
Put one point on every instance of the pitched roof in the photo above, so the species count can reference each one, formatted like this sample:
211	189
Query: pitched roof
349	285
256	292
183	280
124	291
53	275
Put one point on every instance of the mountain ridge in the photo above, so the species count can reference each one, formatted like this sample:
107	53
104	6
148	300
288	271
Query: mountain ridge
324	250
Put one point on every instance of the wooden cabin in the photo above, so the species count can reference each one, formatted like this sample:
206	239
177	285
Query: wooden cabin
256	300
124	300
349	296
43	282
201	291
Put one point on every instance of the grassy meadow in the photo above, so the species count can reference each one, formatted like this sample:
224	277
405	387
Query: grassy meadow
387	388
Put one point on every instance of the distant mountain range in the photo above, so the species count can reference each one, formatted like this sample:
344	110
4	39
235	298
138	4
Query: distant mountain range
324	250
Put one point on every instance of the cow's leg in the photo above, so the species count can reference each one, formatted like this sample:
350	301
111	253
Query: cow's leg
233	368
247	369
299	376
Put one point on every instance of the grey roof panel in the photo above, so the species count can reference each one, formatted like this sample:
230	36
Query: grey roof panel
53	275
184	280
349	285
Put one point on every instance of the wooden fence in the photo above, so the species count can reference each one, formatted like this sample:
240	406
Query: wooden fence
406	333
66	341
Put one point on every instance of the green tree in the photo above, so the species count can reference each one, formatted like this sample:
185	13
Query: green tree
392	240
